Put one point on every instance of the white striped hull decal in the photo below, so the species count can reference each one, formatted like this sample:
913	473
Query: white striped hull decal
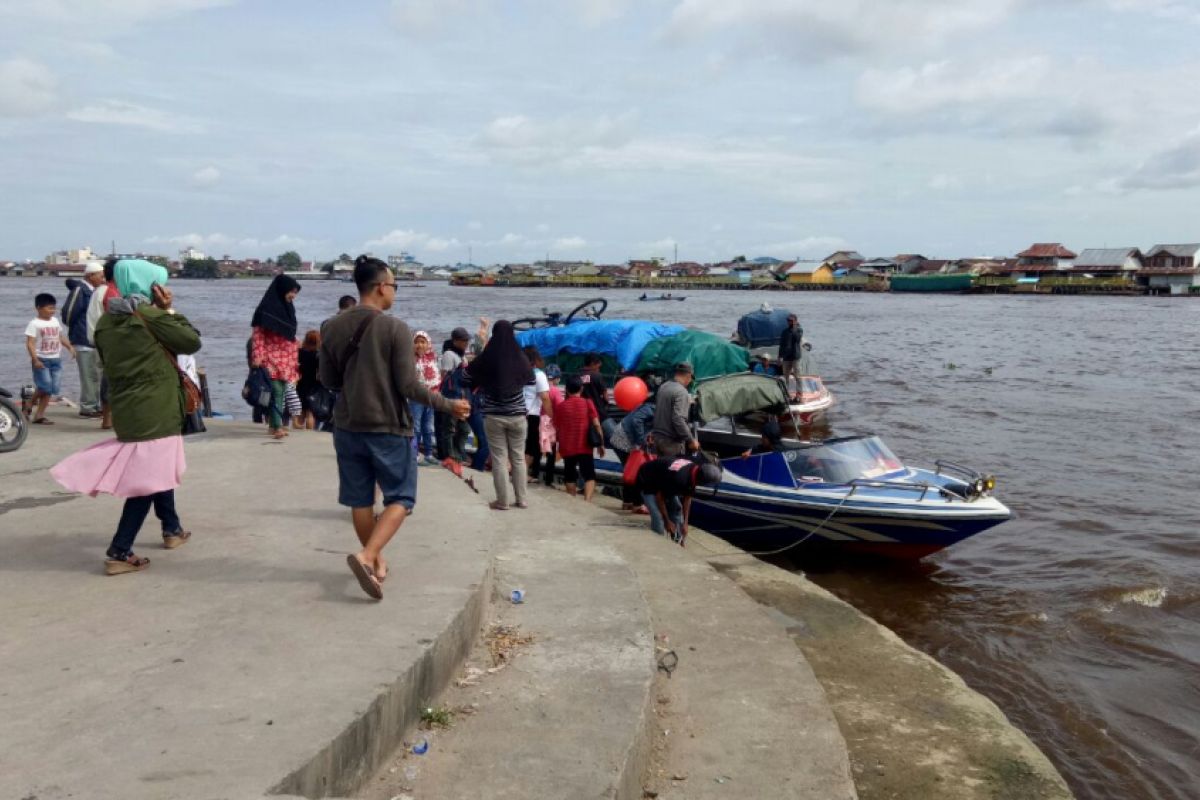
834	531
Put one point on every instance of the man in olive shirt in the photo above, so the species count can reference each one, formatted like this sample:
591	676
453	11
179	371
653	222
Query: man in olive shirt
367	355
671	430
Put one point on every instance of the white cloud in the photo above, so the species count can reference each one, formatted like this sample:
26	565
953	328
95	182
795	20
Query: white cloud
569	243
217	244
399	239
422	17
1029	95
1174	167
206	176
27	88
943	182
111	13
810	28
118	112
807	247
524	139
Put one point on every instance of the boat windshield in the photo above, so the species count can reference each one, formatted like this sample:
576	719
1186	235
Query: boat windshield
843	461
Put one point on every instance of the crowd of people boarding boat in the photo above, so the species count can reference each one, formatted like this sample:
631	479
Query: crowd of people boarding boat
391	402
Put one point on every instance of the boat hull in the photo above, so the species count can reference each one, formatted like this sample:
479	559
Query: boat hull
763	519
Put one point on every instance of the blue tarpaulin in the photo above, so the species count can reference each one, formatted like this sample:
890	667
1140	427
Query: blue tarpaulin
759	329
623	340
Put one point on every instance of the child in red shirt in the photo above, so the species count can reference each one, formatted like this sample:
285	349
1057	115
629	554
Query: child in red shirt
572	419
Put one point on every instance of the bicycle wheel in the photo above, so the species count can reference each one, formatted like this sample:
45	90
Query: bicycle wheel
591	309
529	323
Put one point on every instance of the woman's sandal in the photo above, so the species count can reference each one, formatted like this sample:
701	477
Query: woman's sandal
496	506
120	566
42	421
178	539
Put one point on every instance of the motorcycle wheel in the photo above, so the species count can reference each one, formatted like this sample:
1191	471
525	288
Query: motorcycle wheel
13	427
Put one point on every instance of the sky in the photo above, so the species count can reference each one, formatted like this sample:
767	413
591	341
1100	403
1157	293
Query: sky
597	129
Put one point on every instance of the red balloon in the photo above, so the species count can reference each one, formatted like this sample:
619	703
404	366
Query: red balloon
630	392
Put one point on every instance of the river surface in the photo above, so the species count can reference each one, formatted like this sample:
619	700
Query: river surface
1081	617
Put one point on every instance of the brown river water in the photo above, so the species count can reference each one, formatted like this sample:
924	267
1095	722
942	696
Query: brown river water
1081	617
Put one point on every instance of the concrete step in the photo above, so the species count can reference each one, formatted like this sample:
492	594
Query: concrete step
248	661
742	714
569	716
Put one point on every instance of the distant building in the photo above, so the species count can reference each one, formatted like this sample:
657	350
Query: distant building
812	272
1109	262
69	257
1045	257
191	254
1171	268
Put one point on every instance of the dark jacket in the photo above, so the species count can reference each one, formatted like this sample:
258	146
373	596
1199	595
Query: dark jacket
74	312
789	343
143	384
671	413
379	379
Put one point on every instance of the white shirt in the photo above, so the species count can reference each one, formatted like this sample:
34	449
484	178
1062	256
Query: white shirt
533	393
95	310
47	334
449	361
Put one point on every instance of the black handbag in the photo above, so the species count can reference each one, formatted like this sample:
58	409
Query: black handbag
321	402
595	439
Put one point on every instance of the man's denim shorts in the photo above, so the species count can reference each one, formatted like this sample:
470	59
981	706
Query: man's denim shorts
48	379
369	459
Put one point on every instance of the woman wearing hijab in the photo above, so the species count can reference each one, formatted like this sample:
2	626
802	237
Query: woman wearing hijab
273	345
500	373
139	338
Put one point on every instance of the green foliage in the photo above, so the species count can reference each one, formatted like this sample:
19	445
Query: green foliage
289	260
200	268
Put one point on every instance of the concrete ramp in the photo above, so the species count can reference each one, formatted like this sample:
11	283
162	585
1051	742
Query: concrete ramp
245	663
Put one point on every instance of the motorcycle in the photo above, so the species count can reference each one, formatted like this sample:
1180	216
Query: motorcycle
13	425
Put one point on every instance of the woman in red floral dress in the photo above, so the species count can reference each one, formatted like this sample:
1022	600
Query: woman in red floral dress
274	345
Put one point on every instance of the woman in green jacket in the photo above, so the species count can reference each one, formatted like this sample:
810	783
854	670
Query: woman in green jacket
138	337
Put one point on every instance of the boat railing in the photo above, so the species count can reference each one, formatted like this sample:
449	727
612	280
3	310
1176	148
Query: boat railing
942	466
921	488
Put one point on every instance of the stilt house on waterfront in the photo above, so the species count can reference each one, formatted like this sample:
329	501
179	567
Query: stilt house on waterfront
1171	268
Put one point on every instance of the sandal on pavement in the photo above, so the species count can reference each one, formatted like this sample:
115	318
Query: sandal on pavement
177	539
42	421
120	566
522	504
366	577
497	506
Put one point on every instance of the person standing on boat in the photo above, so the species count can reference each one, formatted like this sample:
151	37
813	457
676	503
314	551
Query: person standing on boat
791	340
273	344
672	434
139	339
367	355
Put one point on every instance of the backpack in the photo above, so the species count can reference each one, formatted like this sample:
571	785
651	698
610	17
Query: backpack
257	389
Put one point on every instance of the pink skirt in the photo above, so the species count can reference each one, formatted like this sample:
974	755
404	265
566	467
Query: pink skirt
123	469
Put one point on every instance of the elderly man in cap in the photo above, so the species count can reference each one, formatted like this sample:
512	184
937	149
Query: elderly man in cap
75	320
671	432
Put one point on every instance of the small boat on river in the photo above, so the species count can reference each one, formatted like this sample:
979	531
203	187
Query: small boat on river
648	298
849	494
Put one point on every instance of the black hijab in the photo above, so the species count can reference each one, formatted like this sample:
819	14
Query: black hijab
275	312
501	369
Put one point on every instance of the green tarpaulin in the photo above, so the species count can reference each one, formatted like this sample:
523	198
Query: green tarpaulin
732	395
709	355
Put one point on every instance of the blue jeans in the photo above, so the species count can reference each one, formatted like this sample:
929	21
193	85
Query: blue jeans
422	426
368	459
482	451
674	509
48	379
134	514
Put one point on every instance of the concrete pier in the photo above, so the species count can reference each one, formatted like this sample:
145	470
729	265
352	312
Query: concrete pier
250	664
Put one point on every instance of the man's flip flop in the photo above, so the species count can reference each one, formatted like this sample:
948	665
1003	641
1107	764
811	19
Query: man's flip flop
366	577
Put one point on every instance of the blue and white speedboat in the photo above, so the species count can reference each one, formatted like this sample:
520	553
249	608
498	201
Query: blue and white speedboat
850	494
